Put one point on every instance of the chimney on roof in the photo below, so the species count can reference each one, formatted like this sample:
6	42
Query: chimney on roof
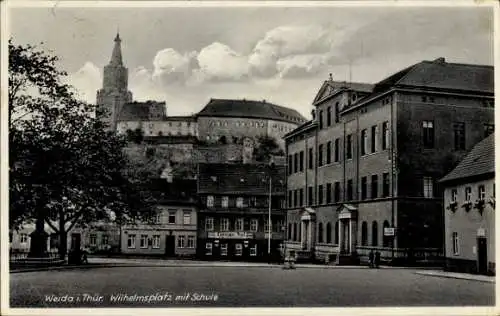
440	60
264	101
313	113
331	77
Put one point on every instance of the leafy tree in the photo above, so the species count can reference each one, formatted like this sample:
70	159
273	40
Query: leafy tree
136	136
65	166
266	147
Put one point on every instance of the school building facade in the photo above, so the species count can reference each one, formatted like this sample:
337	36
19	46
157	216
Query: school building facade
363	174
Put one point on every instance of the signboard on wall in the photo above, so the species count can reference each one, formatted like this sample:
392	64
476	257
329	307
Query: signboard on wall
230	235
389	231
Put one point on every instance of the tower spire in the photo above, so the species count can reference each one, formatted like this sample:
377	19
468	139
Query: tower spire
116	56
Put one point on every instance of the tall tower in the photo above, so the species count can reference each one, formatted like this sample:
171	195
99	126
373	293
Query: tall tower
114	93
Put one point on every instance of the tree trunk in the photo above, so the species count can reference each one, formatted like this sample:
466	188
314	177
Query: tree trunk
38	238
63	237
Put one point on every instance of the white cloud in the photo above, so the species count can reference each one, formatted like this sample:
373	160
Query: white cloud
87	80
145	86
218	62
279	50
171	66
301	65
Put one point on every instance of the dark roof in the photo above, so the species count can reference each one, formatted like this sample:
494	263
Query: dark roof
191	118
141	111
251	109
241	179
439	74
300	129
179	190
479	161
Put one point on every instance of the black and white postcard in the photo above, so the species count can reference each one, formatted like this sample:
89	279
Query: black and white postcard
248	157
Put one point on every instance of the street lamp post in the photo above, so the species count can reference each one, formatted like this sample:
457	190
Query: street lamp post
269	217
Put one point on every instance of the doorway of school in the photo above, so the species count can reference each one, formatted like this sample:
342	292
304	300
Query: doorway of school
482	256
170	246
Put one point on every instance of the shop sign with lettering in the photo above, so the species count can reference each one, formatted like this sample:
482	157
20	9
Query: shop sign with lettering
230	235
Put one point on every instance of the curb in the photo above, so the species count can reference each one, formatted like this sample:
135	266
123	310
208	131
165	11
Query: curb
458	277
55	268
197	265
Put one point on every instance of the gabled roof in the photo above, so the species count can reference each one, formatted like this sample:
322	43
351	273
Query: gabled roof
439	74
251	109
336	86
479	161
240	179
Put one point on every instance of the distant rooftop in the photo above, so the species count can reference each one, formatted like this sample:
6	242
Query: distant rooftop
142	111
439	74
479	161
251	109
242	179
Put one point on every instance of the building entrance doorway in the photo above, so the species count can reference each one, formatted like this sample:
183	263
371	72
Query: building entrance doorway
482	255
76	241
170	246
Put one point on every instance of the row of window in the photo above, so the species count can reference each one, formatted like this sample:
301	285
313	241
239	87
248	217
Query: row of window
329	116
145	241
238	124
239	225
459	132
365	149
335	116
23	238
172	217
238	249
294	233
481	193
241	202
331	193
386	240
93	240
170	124
160	133
331	150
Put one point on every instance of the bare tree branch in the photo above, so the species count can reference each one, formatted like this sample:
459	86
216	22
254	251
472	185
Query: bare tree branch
52	225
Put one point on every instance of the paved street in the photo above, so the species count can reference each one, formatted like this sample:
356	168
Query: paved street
240	286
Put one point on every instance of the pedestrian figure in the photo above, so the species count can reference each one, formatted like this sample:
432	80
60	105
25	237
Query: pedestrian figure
84	259
377	259
370	258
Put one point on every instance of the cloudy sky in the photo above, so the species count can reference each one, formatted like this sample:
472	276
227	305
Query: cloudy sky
187	55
